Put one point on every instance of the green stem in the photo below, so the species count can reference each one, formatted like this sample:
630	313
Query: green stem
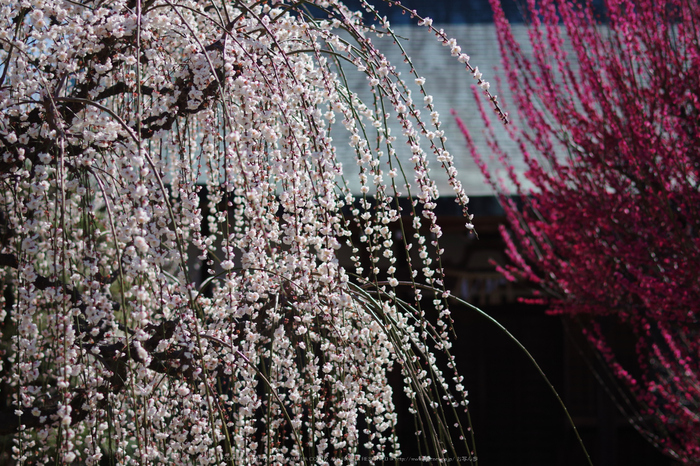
522	348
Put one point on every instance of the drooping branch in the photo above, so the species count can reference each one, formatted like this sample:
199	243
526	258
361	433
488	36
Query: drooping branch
114	356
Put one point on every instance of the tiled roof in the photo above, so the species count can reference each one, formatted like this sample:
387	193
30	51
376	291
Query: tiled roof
450	84
445	11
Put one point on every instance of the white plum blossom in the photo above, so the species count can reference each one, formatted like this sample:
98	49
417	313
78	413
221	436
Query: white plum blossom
173	216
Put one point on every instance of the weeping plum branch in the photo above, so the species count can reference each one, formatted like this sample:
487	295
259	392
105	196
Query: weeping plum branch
140	138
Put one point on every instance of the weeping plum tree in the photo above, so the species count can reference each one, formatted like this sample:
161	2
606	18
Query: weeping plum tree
139	136
609	220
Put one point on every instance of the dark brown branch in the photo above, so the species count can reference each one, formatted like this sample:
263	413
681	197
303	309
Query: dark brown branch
121	88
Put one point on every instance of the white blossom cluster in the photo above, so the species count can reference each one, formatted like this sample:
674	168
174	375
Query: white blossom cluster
139	136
